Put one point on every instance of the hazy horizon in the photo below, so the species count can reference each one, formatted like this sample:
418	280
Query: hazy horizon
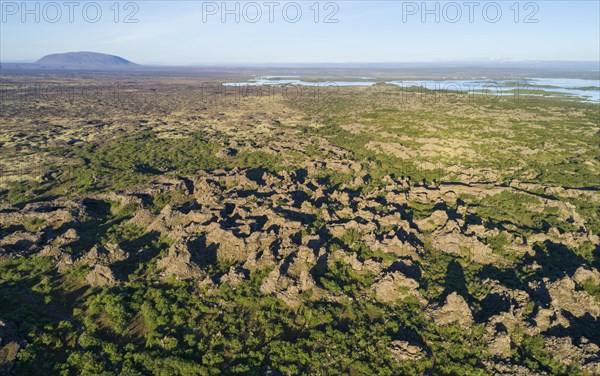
457	63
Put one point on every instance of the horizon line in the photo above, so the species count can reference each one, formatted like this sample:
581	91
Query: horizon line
220	63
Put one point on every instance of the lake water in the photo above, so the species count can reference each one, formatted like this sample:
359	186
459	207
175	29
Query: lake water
531	87
280	80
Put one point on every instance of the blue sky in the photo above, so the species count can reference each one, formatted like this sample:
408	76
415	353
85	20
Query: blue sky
192	32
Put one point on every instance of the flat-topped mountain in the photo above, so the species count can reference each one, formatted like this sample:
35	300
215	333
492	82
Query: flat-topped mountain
84	60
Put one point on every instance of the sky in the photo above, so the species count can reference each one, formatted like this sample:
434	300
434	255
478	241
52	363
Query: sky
203	32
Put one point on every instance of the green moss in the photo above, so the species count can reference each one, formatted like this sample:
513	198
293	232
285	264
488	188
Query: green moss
591	288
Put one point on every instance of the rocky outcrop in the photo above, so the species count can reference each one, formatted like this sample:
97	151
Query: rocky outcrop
229	246
103	255
565	297
396	286
180	261
584	274
68	237
585	353
287	288
500	345
452	240
297	227
436	220
100	275
234	277
454	311
404	351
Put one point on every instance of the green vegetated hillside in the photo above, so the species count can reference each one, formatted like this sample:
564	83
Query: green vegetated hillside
366	232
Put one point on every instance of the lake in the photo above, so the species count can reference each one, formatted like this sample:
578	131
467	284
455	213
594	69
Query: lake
585	89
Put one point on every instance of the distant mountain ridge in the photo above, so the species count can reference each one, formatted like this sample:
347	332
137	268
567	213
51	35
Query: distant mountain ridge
84	60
